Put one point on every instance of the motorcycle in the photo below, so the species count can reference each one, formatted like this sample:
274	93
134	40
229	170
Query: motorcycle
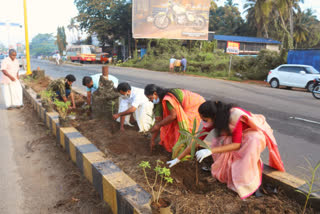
179	15
316	88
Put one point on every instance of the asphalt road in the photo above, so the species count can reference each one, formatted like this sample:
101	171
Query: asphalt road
297	139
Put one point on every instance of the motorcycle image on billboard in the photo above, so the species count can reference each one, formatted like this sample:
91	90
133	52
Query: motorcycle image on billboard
171	19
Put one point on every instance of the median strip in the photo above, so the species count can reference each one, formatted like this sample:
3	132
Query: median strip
115	187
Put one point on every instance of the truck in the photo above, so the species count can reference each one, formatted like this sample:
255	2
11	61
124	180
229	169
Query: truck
305	57
103	58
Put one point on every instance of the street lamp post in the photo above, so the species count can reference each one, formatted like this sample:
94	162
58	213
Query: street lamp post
26	37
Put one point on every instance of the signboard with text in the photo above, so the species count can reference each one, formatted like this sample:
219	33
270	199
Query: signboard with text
233	47
171	19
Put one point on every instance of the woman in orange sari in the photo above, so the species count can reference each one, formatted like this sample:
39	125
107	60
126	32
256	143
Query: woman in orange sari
240	137
175	109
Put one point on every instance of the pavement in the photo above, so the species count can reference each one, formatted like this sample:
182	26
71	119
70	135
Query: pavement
297	139
36	176
11	195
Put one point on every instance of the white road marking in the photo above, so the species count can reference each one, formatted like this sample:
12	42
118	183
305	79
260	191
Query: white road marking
305	120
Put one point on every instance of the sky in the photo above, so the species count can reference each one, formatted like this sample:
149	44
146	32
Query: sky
44	16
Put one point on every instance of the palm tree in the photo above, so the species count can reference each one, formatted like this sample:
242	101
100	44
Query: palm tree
261	10
73	27
306	29
286	11
300	28
230	3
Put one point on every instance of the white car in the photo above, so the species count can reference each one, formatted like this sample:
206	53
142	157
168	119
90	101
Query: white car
293	75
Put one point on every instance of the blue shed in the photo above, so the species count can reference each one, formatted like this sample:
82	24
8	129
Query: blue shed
248	45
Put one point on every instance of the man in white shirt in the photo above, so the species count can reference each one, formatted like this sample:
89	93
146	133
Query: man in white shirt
58	58
133	103
9	81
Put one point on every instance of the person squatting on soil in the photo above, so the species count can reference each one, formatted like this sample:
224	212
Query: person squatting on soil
134	105
239	139
175	110
92	83
63	88
9	81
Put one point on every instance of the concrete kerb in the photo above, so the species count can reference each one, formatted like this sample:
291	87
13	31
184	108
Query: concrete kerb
115	187
120	191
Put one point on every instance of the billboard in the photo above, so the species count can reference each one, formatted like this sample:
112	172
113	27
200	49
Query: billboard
233	47
171	19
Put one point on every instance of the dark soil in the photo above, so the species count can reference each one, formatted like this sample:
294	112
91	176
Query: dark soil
127	149
49	175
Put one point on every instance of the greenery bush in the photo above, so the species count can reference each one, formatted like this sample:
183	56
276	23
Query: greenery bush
203	59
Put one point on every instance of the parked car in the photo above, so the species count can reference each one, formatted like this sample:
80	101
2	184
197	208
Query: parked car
293	75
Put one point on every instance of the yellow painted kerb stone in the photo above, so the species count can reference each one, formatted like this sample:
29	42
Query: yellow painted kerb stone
73	143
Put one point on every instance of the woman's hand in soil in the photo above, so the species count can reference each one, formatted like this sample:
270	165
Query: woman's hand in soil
115	116
156	127
173	162
202	154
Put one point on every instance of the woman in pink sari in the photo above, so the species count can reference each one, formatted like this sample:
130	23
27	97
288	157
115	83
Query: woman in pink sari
240	137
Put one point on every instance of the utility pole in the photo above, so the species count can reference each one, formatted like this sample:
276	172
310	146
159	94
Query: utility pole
26	38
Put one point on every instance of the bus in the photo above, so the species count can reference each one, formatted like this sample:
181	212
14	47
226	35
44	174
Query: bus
82	53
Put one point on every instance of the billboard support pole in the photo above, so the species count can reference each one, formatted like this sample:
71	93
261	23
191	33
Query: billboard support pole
230	66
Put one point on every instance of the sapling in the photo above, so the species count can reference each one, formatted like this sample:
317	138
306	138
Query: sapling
310	183
46	97
159	185
62	108
192	139
27	79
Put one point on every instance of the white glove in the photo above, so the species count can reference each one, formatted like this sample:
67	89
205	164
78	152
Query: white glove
202	154
173	162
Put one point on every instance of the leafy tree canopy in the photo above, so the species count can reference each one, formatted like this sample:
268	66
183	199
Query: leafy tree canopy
42	44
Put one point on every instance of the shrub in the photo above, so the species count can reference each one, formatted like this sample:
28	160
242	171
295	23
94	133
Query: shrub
206	62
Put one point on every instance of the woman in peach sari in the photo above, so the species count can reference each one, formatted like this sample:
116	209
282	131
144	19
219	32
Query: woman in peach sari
240	137
175	109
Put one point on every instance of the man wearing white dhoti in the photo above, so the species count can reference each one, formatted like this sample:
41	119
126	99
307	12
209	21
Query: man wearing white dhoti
9	81
134	105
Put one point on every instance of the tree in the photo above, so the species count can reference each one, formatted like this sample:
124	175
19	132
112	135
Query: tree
285	14
225	20
42	44
61	40
110	20
300	29
260	10
306	29
73	27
